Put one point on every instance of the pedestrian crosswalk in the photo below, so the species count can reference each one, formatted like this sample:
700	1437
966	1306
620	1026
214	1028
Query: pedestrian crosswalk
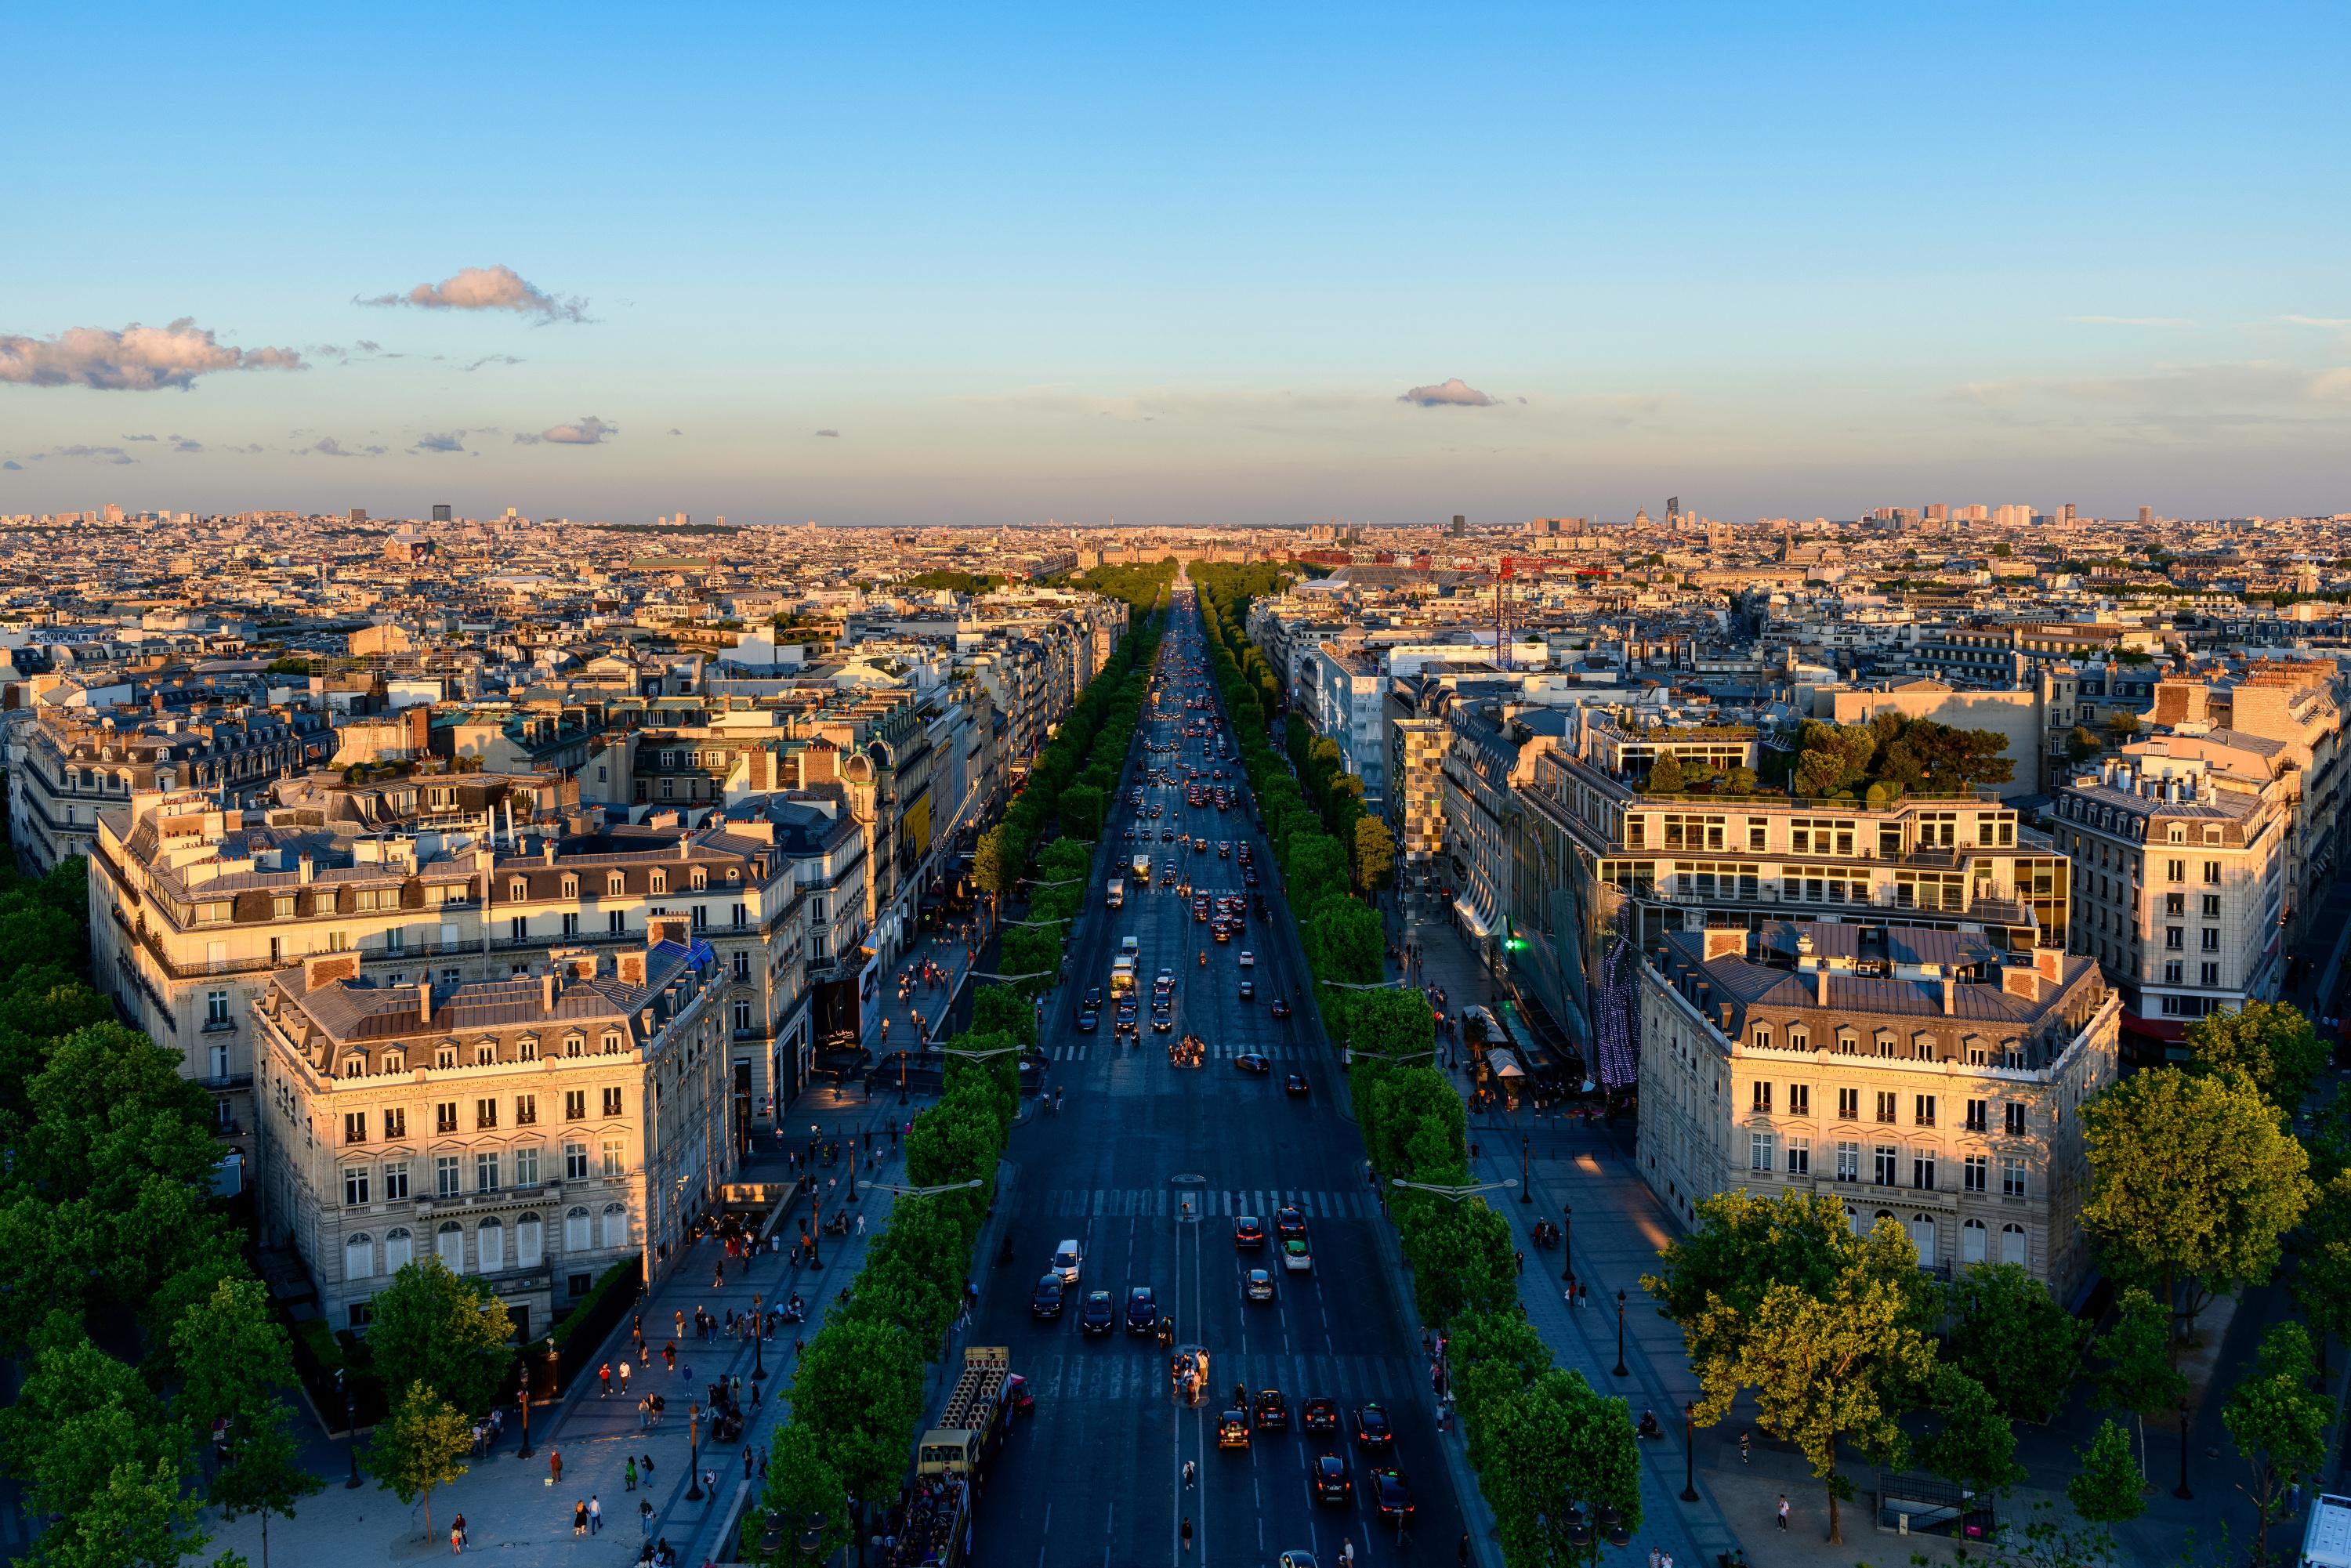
1117	1369
1208	1203
1219	1051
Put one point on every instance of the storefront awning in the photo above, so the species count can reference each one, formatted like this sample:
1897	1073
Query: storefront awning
1504	1064
1469	921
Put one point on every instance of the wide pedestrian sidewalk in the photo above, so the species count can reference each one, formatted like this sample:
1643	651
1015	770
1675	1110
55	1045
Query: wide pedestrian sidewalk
517	1508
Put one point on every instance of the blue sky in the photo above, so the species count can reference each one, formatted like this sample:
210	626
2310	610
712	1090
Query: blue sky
1182	267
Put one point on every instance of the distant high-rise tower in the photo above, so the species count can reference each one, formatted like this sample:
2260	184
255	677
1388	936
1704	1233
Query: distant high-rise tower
359	514
439	511
1673	510
2145	516
2066	513
1460	524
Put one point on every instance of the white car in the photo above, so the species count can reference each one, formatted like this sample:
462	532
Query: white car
1295	1257
1248	960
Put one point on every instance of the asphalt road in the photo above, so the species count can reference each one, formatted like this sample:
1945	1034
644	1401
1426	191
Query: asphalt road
1094	1477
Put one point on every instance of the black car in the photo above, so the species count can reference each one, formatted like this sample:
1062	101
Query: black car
1088	1022
1320	1414
1247	1232
1092	1001
1289	1221
1249	989
1294	1085
1393	1496
1281	1007
1330	1482
1098	1315
1272	1411
1045	1305
1249	877
1250	1061
1372	1428
1142	1311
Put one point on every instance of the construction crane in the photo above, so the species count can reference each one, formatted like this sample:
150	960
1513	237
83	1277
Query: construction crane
1511	566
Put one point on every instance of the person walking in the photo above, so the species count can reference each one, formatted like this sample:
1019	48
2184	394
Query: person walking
1783	1511
458	1539
624	1380
861	1223
1464	1554
595	1514
555	1467
1187	1532
604	1381
629	1475
646	1516
578	1520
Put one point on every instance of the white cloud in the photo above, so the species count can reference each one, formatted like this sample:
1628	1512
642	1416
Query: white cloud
1454	393
114	455
491	360
187	443
587	431
2130	321
443	441
833	433
327	446
2332	386
2328	323
487	288
137	359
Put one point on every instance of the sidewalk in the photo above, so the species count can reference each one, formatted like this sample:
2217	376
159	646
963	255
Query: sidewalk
513	1505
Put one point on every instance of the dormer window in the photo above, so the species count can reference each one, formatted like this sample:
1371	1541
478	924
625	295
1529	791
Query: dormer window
485	1054
611	1045
701	878
570	887
394	1062
355	1067
2179	835
526	1049
1763	1037
615	885
518	890
659	881
445	1058
1799	1037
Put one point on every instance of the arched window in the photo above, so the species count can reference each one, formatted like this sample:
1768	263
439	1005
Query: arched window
575	1230
2014	1247
450	1244
359	1256
616	1227
490	1246
530	1248
1922	1237
399	1250
1975	1242
1853	1219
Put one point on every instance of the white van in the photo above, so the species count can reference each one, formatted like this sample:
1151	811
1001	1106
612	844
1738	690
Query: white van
1068	1259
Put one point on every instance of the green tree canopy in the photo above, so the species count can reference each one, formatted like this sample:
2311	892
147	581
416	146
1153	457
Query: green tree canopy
419	1446
2271	1043
449	1334
2192	1183
1556	1440
2110	1487
2279	1425
2010	1335
861	1385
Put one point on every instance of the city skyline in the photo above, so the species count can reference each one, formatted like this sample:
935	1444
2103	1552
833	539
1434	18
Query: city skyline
1369	266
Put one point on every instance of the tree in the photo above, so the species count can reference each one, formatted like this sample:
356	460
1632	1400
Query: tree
2010	1335
860	1389
263	1473
1460	1257
1394	1024
808	1492
2139	1375
2080	745
2278	1424
2123	723
1826	1369
994	864
446	1333
143	1516
2110	1487
1976	1446
999	1010
79	1416
421	1444
1375	854
1666	775
1557	1440
2321	1273
2193	1184
2271	1043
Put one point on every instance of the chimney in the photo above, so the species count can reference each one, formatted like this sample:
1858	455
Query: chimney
321	969
305	866
1821	986
1725	942
631	967
2049	963
684	843
547	991
546	851
1951	995
424	1001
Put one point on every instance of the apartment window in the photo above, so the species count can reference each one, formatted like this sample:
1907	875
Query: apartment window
517	927
444	1176
1977	1173
2175	905
1885	1101
742	1016
1848	1161
611	1101
355	1126
701	917
1762	1151
485	1114
1800	1100
742	963
1922	1172
1922	1111
2211	906
2211	974
1884	1159
1848	1104
395	1182
2210	939
2175	974
1800	1156
2012	1112
396	1124
451	976
485	1173
526	1049
616	923
1761	1098
355	1186
526	1109
612	1156
742	915
2012	1177
611	1045
570	887
615	885
1757	836
575	1104
2174	871
1848	1043
525	1166
2175	938
444	1116
2212	873
216	1009
658	881
575	1162
1977	1116
570	923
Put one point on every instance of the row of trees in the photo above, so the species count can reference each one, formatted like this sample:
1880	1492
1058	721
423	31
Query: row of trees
857	1396
1072	785
2197	1188
1893	755
108	1232
1538	1434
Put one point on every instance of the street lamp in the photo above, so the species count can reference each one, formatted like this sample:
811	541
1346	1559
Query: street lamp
852	1169
1567	1241
351	1428
522	1398
1455	1193
1527	1167
694	1492
758	1339
2181	1492
1620	1371
1690	1451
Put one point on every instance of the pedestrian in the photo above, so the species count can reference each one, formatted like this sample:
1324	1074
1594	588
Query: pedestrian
646	1460
595	1514
669	1356
1743	1441
555	1467
1463	1554
747	1461
645	1413
578	1520
629	1475
1783	1510
1190	1472
458	1538
645	1518
624	1380
1187	1532
861	1224
603	1388
1653	1557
